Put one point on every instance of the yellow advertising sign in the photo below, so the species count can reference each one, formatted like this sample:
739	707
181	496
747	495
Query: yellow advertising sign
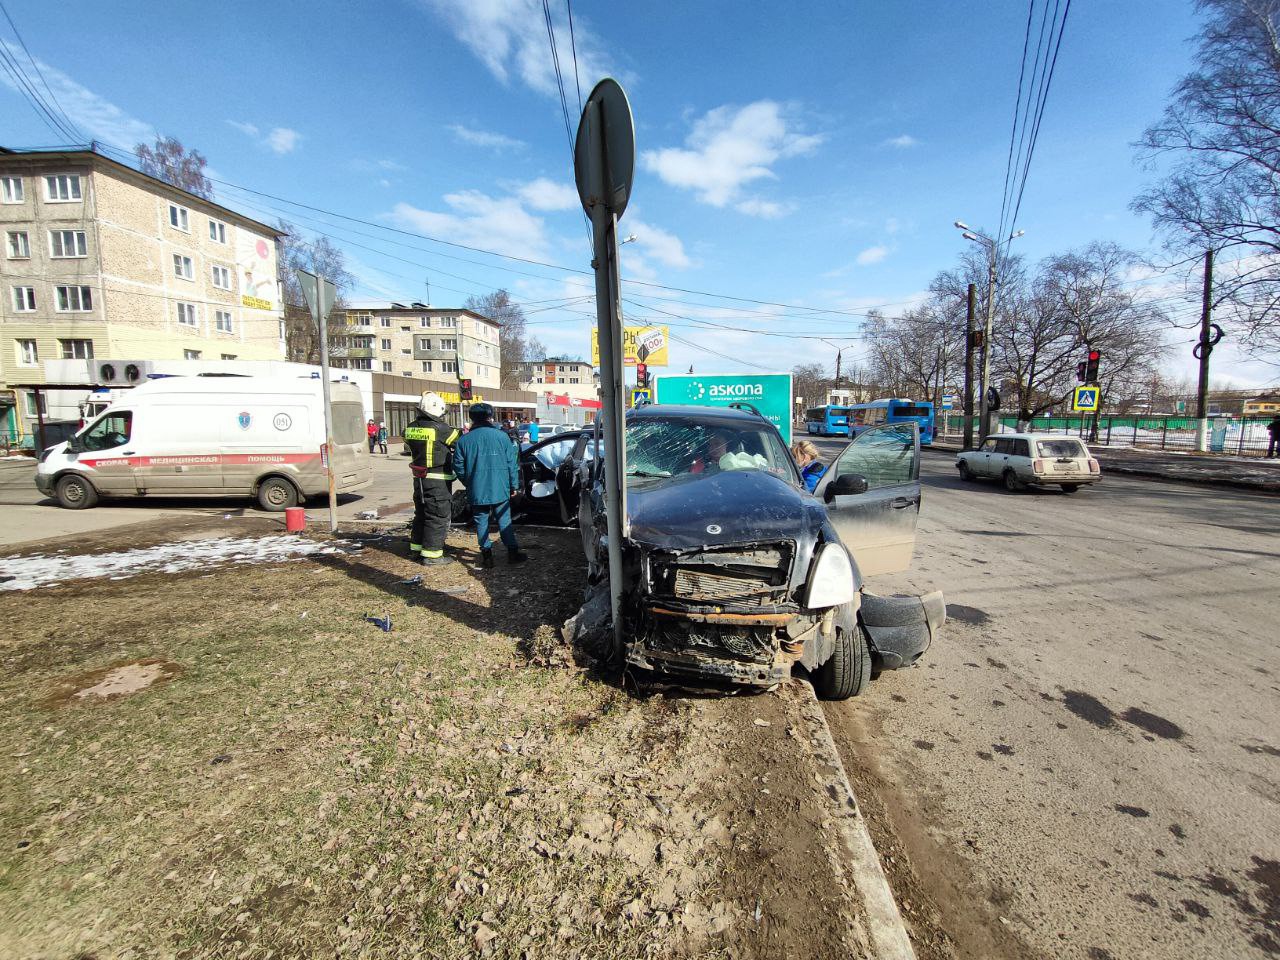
647	345
257	303
456	398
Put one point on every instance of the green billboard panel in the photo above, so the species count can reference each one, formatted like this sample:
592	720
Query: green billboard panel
770	393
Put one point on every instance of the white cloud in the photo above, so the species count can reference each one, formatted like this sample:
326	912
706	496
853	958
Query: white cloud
892	226
729	148
658	244
485	138
248	129
901	142
765	209
479	220
872	255
283	140
545	194
510	37
94	117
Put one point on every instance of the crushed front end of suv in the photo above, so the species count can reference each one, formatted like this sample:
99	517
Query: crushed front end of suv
734	572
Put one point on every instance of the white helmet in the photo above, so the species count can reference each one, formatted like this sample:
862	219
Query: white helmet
432	404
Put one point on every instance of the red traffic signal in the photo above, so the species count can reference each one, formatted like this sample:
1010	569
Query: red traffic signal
1091	367
1095	356
464	389
642	375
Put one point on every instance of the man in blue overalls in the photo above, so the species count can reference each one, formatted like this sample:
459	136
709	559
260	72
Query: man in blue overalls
430	440
487	463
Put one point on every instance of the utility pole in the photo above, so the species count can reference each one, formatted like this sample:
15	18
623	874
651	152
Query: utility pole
1203	349
968	368
322	318
984	425
838	352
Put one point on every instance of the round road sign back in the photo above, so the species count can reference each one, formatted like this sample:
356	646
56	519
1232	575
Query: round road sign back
617	143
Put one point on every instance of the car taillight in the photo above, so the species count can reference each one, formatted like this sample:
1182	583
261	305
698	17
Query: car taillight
1037	465
1093	466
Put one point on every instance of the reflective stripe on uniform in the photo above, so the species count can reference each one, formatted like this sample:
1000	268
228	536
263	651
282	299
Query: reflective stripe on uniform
415	547
433	554
440	476
452	438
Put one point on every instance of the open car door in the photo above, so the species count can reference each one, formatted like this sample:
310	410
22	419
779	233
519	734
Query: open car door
872	493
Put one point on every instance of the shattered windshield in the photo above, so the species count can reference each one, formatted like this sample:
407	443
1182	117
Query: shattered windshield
673	448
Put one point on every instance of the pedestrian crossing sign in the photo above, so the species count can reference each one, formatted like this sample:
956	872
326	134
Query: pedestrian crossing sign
640	395
1085	399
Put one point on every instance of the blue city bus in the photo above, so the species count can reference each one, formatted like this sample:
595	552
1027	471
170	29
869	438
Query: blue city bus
827	421
894	410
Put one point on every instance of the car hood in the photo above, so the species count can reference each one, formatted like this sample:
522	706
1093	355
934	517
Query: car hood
747	505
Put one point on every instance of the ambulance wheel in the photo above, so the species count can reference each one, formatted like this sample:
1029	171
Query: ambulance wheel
276	494
75	493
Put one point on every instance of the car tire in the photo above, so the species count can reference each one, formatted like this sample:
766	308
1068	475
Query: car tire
848	671
276	494
460	507
1070	487
1011	482
74	492
966	472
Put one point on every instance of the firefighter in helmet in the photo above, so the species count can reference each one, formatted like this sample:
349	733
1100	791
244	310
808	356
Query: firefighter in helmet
430	440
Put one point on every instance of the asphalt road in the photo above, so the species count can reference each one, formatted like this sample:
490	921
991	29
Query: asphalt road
1088	762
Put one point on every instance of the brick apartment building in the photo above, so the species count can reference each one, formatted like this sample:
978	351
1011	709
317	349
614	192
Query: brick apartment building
414	340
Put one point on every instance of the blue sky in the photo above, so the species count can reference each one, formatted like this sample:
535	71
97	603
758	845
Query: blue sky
812	154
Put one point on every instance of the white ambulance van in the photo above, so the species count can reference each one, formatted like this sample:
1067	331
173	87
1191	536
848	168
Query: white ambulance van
222	436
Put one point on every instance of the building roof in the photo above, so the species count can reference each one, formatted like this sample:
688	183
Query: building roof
413	306
8	155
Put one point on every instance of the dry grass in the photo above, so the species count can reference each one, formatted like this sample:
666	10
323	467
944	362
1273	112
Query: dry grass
306	784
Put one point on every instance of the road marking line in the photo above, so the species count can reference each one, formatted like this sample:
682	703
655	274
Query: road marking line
888	933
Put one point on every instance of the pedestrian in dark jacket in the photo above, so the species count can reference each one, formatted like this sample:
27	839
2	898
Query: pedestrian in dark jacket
485	460
430	440
1273	428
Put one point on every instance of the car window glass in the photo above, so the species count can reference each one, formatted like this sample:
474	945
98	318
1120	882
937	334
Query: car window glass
658	448
111	431
1003	446
551	454
885	457
1021	448
988	445
1059	448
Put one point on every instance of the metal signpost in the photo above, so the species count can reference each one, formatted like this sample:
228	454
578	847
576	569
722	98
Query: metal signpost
604	159
770	393
321	295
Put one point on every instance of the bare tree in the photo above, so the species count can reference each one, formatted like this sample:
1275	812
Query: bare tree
512	340
810	381
170	161
321	257
1222	131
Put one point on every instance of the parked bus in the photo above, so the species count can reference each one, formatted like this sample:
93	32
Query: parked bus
827	421
894	410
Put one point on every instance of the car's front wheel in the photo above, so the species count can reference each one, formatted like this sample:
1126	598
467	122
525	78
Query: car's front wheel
966	472
848	671
75	493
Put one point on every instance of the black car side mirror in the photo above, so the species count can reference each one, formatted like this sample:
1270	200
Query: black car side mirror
846	485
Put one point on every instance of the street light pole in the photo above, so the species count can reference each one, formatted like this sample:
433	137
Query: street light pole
993	252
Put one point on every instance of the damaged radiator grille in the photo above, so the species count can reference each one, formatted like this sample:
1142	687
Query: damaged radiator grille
754	576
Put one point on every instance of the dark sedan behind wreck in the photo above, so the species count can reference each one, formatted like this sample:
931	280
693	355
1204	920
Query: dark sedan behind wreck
733	571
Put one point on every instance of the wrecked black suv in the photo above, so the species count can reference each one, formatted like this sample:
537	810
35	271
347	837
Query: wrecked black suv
734	572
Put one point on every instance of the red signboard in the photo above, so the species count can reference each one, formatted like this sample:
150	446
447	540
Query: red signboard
564	400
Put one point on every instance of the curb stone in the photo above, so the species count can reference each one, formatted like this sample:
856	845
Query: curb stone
885	927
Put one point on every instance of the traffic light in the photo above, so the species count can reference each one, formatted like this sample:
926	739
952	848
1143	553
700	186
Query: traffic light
1091	367
464	389
1081	369
642	375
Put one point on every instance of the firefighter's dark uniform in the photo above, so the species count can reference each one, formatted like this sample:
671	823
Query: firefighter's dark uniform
431	441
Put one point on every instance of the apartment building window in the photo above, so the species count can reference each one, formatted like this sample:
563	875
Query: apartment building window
28	354
11	189
426	366
386	366
183	268
361	364
424	343
37	404
222	278
222	320
228	356
406	373
179	218
24	299
405	329
573	379
448	321
448	366
74	299
187	314
62	188
19	246
424	321
76	349
217	231
386	343
190	354
406	351
386	321
66	244
448	344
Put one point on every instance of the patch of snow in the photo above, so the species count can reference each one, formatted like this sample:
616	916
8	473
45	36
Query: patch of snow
41	570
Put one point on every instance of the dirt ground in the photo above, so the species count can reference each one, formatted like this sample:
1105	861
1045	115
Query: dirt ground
234	762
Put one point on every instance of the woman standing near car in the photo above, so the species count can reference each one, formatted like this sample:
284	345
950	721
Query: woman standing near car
811	468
